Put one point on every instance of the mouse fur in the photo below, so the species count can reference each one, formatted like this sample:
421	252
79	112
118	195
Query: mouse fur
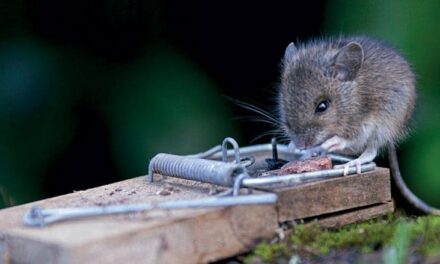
370	86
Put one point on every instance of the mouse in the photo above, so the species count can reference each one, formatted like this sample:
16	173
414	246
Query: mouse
348	95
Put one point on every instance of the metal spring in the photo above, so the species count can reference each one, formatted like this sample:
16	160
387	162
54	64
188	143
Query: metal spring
208	171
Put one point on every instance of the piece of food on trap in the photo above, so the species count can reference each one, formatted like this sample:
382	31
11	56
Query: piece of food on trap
308	165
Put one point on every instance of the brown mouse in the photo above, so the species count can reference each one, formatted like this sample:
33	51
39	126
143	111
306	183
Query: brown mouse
351	95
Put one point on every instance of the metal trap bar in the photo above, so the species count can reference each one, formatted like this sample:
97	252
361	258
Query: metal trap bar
223	173
39	217
294	179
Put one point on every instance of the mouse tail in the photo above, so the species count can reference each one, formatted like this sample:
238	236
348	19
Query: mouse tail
403	188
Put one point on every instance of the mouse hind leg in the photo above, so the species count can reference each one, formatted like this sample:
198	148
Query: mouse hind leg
367	156
337	143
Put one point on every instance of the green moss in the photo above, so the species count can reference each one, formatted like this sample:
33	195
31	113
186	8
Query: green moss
365	236
268	253
389	234
427	229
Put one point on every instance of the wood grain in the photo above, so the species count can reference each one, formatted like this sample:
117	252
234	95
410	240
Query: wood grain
357	215
333	195
179	236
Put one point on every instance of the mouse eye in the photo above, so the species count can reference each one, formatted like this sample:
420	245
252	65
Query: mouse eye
322	106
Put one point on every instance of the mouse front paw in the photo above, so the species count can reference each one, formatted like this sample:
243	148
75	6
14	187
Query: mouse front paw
313	152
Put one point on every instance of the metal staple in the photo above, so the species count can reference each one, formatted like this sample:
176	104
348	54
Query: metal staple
225	149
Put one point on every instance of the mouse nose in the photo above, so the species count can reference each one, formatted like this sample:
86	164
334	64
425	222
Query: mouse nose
301	144
303	141
298	142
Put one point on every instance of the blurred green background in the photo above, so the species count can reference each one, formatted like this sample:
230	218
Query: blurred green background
89	91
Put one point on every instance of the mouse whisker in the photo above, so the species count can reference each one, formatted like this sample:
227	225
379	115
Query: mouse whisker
256	119
264	113
273	133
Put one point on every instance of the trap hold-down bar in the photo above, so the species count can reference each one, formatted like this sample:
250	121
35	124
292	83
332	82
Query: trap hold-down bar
39	217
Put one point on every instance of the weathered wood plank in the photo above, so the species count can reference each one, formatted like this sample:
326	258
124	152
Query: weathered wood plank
357	215
183	236
191	238
341	219
333	195
135	190
180	236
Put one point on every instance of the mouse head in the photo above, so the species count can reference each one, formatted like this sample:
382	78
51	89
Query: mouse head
318	92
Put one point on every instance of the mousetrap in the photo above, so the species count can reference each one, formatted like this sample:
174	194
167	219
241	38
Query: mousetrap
193	209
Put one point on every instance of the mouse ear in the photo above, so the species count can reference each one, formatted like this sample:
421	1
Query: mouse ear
348	61
288	54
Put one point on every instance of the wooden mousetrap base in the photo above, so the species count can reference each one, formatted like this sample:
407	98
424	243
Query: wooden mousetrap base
183	236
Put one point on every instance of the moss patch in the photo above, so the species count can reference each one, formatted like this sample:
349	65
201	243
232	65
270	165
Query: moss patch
388	238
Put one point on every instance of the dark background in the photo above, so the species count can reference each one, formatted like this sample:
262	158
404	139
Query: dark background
89	90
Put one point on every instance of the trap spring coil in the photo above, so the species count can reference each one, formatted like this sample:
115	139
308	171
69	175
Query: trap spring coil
208	171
